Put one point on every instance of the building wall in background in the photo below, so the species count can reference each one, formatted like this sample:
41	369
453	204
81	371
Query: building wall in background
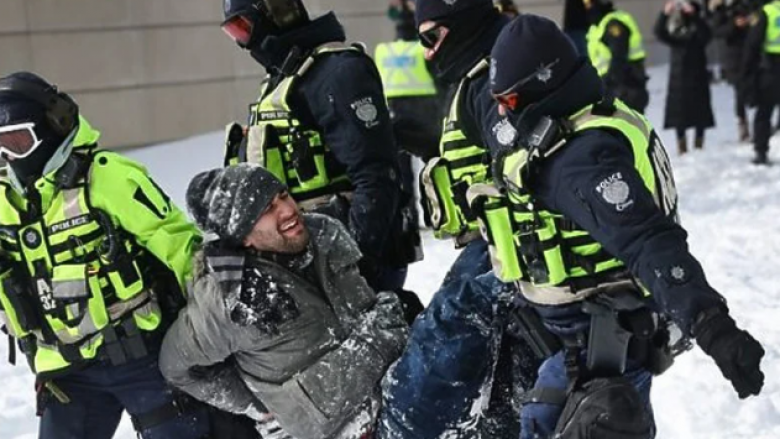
148	71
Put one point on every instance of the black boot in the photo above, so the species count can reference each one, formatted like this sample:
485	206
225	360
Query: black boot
744	131
682	145
761	158
698	142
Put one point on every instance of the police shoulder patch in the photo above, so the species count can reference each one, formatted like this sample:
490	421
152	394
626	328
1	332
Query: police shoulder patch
366	111
614	30
615	191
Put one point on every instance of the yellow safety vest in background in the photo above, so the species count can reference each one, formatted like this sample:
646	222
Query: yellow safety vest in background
600	55
772	34
401	65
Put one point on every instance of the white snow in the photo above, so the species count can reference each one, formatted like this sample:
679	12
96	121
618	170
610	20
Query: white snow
730	208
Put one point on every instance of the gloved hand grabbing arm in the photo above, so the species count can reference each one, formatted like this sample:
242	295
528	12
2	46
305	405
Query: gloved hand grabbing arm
736	353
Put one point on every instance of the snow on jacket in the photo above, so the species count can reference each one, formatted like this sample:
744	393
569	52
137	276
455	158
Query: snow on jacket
316	366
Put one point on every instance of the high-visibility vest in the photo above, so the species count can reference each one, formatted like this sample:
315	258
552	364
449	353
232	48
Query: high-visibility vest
772	34
598	52
401	65
277	141
553	259
460	164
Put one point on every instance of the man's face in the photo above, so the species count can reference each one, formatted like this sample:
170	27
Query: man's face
431	36
280	229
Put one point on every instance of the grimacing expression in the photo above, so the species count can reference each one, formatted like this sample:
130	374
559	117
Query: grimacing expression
280	228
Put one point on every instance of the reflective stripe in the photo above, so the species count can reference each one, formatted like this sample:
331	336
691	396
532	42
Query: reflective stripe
553	296
71	206
226	261
772	34
69	289
121	309
228	275
401	65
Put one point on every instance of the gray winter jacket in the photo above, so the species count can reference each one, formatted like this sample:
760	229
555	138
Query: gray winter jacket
318	369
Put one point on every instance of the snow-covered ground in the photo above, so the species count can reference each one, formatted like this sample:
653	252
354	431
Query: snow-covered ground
731	210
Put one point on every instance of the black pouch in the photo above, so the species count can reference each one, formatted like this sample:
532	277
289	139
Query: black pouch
604	408
22	301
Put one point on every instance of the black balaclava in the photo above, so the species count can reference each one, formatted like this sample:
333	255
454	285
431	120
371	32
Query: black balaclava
473	27
561	82
272	50
17	108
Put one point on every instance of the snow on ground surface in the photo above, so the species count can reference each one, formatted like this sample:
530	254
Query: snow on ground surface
731	210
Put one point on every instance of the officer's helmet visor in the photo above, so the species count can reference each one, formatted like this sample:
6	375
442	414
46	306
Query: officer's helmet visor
239	28
19	141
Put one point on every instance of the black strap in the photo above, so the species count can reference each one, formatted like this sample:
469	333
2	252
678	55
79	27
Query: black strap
605	107
11	349
545	395
178	406
73	170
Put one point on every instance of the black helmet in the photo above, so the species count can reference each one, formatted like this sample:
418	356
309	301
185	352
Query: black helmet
248	22
35	120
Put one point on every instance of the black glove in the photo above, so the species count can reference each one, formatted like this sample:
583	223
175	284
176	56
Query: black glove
736	352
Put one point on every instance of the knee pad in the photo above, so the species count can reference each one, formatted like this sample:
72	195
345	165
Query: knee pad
605	408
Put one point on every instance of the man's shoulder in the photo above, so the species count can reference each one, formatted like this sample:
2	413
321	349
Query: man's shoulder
332	239
109	164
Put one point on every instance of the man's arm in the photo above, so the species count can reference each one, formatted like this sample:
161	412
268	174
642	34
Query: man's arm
754	46
124	190
350	108
195	349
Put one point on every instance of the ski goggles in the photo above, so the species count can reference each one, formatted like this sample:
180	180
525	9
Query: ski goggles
511	98
431	37
20	140
239	28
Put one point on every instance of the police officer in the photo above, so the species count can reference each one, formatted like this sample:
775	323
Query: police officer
93	261
761	63
413	100
452	355
411	90
616	50
585	225
321	125
730	24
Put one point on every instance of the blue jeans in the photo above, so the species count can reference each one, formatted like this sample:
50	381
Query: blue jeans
538	420
448	362
473	260
98	395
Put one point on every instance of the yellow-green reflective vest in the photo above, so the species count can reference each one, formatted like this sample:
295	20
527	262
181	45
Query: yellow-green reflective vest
772	34
445	179
295	154
552	258
59	293
600	55
401	65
